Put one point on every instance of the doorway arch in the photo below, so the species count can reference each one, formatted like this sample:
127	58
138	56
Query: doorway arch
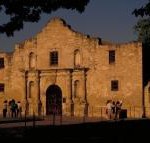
53	100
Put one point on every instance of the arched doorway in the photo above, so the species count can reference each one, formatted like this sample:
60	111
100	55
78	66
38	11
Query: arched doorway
53	100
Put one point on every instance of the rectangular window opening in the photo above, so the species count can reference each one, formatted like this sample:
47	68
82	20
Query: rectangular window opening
114	85
2	86
54	58
111	56
1	63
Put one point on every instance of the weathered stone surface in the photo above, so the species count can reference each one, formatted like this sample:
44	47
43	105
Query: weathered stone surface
94	74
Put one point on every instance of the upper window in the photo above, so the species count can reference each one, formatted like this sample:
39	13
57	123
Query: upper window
2	87
77	58
54	58
114	85
111	57
1	63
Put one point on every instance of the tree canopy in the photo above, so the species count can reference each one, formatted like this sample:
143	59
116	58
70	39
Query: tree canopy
20	11
143	30
143	11
143	25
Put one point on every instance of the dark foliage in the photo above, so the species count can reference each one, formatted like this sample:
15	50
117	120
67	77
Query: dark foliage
143	11
21	11
143	30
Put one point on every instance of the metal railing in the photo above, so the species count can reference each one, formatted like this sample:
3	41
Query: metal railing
93	114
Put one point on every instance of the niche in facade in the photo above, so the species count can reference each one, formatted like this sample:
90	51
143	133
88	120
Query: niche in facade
77	58
32	60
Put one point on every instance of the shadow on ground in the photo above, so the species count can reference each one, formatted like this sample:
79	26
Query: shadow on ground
122	131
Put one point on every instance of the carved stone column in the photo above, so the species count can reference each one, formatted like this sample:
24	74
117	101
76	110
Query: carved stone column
69	90
25	101
83	85
85	93
38	100
71	100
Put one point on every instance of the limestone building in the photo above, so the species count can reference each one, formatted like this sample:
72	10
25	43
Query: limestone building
77	72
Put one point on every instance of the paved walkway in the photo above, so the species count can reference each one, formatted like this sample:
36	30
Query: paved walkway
8	123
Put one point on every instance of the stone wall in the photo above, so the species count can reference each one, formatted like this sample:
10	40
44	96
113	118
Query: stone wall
94	73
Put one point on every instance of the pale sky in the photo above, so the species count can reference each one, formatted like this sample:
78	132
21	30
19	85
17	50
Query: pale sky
111	20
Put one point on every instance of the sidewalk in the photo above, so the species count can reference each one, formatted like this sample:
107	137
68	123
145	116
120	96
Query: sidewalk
49	120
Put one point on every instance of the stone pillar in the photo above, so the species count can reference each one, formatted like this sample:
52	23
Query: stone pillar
85	93
38	100
25	101
83	85
70	105
71	100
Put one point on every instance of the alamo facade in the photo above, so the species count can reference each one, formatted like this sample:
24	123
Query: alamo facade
77	72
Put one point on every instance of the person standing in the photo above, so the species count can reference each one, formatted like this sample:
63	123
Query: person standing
109	109
19	109
118	109
13	108
5	109
9	109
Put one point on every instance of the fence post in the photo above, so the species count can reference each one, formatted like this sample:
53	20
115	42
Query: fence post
92	111
61	119
53	118
134	111
43	112
130	112
25	118
33	119
101	111
85	111
144	114
54	112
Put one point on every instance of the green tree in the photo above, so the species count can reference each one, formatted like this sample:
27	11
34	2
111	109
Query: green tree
143	30
143	25
20	11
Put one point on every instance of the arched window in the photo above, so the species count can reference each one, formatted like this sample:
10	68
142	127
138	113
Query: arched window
76	88
32	60
31	89
77	58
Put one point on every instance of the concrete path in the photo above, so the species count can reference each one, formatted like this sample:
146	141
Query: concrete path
12	123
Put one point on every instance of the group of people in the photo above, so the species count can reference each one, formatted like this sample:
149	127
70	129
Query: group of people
12	109
113	109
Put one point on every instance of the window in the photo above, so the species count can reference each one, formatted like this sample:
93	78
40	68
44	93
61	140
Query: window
114	85
64	100
111	57
2	87
54	58
1	63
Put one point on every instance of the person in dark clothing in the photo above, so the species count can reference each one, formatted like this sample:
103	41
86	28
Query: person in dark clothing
13	108
5	109
118	109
